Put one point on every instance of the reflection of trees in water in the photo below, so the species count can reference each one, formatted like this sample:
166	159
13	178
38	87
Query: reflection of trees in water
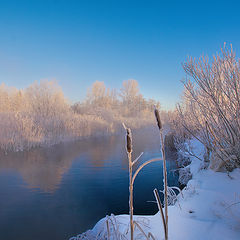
43	168
104	149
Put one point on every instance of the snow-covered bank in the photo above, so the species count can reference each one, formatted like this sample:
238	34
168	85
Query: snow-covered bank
208	208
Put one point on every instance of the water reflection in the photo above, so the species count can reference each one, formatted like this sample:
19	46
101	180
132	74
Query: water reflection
58	192
43	168
40	168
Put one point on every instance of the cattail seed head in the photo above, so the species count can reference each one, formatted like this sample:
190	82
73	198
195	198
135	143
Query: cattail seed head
157	115
129	140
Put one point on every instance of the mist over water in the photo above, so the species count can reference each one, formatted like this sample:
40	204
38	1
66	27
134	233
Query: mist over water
58	192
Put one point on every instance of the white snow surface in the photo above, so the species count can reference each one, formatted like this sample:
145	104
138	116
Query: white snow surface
208	208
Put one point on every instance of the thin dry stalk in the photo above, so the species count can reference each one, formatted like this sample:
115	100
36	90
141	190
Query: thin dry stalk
232	205
130	166
144	234
143	165
150	236
160	209
130	193
108	230
159	123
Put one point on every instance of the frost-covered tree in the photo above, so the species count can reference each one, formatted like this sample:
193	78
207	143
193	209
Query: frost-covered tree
101	96
46	99
4	98
131	99
211	107
129	90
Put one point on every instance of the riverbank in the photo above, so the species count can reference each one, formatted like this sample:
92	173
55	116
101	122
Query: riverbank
208	208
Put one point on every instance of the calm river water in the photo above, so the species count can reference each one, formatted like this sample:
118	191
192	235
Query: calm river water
59	192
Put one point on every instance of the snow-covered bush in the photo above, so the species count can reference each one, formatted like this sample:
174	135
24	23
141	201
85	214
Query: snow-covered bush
183	161
18	132
210	107
184	175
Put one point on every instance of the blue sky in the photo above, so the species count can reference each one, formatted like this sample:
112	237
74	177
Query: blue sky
79	42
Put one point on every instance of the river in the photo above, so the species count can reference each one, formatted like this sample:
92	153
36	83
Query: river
55	193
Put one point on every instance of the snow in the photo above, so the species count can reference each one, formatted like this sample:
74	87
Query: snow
208	208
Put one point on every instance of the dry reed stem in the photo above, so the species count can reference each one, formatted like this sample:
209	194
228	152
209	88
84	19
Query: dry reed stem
108	230
143	165
159	123
165	185
130	194
160	209
150	235
141	230
137	158
130	166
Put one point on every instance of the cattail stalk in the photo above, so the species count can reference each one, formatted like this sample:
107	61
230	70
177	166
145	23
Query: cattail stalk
133	176
159	124
130	194
160	209
130	166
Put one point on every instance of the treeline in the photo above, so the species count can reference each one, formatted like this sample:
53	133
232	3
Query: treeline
40	115
210	109
127	102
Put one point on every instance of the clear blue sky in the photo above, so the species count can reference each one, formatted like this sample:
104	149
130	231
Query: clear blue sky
79	42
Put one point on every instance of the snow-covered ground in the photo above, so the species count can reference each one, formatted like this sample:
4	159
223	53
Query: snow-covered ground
208	208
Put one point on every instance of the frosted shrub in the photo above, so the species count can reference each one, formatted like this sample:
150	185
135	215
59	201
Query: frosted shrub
18	132
210	108
184	175
183	161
